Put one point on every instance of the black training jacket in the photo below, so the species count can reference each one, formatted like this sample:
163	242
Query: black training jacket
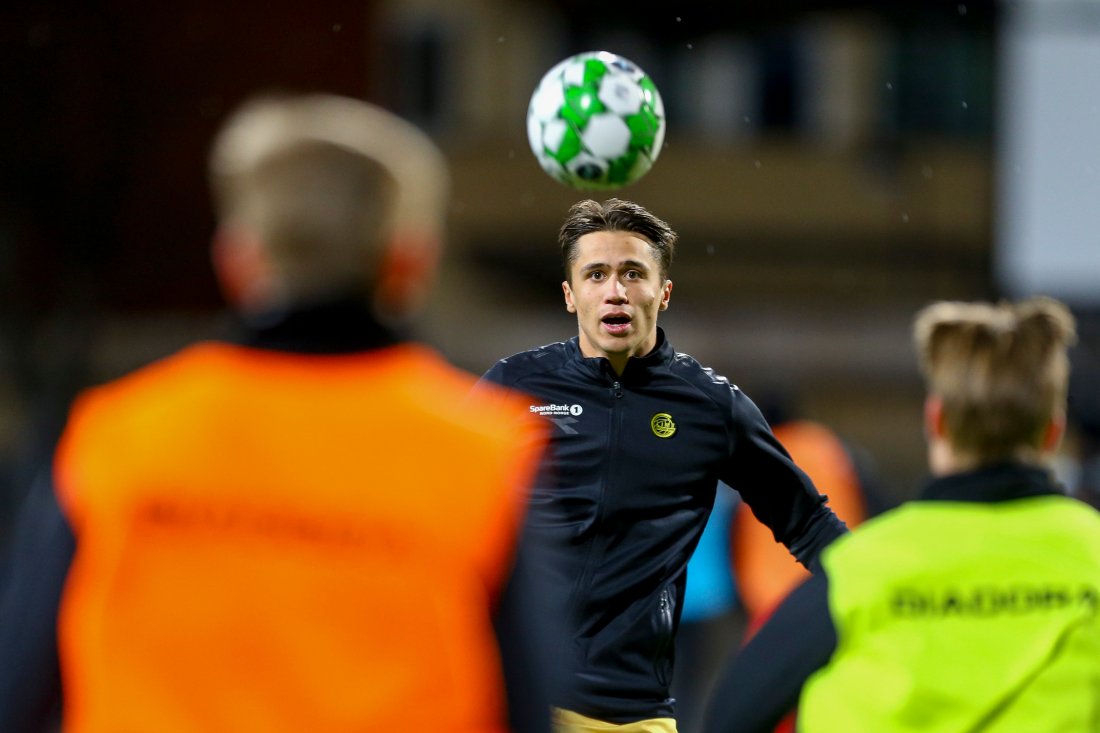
628	485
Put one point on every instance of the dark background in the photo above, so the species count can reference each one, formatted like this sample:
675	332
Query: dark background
806	244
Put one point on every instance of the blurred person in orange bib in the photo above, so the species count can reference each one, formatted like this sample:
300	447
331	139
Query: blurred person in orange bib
312	526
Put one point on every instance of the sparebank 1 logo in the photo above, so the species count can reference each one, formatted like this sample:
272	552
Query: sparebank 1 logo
564	416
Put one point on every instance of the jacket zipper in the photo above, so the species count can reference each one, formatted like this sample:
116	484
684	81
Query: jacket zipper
589	563
665	613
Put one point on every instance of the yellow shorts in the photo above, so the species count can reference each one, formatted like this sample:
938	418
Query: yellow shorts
566	721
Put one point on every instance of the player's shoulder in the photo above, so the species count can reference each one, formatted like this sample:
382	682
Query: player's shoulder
475	412
160	377
151	394
716	394
513	370
444	384
703	378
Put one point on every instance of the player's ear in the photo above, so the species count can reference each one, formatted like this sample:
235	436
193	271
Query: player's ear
406	272
666	293
569	305
933	417
240	264
1055	431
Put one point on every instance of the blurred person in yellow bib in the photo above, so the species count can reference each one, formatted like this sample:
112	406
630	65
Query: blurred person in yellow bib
973	607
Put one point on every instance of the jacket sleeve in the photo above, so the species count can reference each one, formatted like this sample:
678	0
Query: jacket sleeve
36	564
495	374
762	682
528	622
777	491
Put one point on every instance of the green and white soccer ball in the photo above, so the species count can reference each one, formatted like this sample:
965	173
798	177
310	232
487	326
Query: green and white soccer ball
596	121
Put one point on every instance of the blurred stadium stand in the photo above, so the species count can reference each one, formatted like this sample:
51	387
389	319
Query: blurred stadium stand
829	166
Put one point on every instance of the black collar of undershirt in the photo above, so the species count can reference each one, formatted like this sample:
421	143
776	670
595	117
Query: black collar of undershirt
637	367
998	482
335	326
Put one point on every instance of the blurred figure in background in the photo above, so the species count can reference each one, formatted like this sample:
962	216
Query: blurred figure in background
765	572
1084	417
308	527
973	607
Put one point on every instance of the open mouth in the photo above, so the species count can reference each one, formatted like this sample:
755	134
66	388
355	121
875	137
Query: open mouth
616	324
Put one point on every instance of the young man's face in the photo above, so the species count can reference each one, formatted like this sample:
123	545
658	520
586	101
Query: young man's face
616	290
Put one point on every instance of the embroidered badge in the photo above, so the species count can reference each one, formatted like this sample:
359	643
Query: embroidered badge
662	425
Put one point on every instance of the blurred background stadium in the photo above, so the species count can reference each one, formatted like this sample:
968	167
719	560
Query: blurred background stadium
830	166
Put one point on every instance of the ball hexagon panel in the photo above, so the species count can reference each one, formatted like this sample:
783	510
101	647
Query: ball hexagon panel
606	136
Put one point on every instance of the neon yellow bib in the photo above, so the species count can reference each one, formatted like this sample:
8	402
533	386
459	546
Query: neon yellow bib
958	616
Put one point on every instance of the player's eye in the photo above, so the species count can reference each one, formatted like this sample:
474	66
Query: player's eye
595	275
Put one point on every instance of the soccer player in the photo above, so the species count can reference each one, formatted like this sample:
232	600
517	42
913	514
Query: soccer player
641	436
310	526
973	607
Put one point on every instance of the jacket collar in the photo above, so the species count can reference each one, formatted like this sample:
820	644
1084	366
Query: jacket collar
334	326
637	368
994	483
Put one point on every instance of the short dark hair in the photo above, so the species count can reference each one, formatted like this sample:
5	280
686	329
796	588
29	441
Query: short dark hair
616	215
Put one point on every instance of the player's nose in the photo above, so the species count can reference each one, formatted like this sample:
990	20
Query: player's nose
615	291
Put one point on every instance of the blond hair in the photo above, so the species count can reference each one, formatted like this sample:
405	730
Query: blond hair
325	182
1001	371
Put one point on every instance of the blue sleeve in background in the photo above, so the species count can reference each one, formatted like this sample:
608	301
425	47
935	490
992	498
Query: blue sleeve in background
711	587
35	566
